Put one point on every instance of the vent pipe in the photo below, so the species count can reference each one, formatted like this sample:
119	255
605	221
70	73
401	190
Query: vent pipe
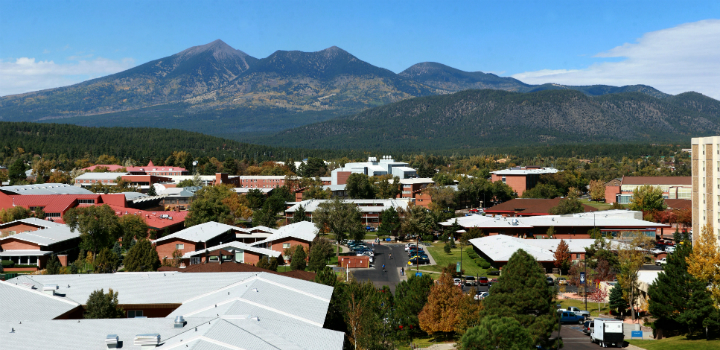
179	322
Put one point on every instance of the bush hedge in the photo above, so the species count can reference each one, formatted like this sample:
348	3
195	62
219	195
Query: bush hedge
8	263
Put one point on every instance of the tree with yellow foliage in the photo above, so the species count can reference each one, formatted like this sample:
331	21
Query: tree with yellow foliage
704	261
597	190
440	313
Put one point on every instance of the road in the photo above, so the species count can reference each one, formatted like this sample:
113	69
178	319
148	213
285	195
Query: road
391	277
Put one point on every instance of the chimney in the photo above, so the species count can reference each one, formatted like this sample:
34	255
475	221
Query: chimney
112	341
50	289
179	322
147	341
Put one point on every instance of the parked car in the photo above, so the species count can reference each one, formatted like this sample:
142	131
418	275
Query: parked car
587	327
494	272
470	281
409	245
670	249
662	261
473	210
577	311
550	281
418	260
570	317
482	281
561	281
457	282
481	295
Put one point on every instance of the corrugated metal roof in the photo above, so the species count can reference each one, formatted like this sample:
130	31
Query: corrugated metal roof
201	232
303	230
100	176
46	237
48	188
236	245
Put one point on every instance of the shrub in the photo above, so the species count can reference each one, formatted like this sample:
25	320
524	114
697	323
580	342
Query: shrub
493	270
8	263
447	248
428	238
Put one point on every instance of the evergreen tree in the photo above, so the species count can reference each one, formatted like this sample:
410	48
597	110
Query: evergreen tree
53	266
299	215
230	166
359	187
151	191
16	172
495	332
617	300
298	259
142	257
522	293
326	276
411	296
320	252
101	305
106	262
700	310
268	263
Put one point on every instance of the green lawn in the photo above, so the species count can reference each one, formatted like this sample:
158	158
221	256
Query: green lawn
677	343
598	205
442	259
592	306
424	342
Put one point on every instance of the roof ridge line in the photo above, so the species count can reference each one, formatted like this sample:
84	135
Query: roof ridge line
247	280
293	289
67	301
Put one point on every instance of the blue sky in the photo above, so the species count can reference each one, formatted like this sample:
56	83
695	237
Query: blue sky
47	44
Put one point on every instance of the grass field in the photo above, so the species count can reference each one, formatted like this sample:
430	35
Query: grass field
677	343
424	342
598	205
442	259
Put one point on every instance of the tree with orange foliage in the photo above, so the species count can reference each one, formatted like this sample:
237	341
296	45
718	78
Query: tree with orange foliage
562	256
441	311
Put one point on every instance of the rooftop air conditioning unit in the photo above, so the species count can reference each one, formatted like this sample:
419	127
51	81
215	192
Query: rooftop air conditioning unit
50	289
112	341
147	341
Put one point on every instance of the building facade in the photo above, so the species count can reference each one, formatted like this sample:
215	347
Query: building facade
705	185
521	179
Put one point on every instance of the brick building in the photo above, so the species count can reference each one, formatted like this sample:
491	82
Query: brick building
289	236
521	179
528	207
673	187
370	208
31	242
150	169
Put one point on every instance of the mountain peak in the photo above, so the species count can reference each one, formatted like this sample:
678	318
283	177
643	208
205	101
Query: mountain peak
219	49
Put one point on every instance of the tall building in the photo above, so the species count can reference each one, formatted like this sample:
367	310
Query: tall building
705	184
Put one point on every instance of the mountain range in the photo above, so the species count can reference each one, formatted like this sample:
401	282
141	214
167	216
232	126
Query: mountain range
216	89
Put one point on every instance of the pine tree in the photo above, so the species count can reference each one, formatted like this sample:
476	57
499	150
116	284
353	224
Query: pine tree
522	293
53	266
617	300
321	250
142	257
439	315
298	259
496	332
551	232
326	276
410	299
673	289
299	215
151	191
107	261
101	305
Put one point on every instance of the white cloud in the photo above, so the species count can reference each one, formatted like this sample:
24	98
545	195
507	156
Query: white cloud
27	74
674	60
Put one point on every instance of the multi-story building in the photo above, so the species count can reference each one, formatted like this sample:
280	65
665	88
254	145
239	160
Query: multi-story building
705	185
673	187
521	179
150	169
369	208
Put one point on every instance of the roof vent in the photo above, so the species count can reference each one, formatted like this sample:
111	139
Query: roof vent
112	341
50	289
255	318
147	341
179	322
255	290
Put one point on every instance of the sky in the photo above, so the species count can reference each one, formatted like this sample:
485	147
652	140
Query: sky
670	45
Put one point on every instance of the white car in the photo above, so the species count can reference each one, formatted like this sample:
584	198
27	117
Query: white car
408	246
481	296
457	282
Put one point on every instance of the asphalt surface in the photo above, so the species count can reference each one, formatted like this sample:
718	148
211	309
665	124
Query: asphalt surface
574	338
391	276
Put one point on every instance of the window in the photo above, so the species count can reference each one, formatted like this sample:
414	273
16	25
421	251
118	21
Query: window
504	179
33	260
577	256
194	260
134	313
240	256
286	245
86	201
179	246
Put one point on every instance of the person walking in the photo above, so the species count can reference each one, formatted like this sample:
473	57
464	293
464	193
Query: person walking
402	271
383	267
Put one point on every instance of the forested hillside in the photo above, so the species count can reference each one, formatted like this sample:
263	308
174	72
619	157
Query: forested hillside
493	118
73	142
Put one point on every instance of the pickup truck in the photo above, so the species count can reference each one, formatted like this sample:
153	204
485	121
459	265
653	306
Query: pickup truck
576	311
662	261
570	317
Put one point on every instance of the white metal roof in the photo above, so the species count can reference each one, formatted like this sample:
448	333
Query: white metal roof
234	245
610	218
199	233
525	171
48	188
417	180
502	247
20	302
364	204
54	233
302	230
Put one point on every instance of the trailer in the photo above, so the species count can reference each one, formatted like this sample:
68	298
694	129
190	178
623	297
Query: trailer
607	332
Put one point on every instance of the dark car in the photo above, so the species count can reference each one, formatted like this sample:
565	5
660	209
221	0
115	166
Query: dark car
550	281
418	260
494	272
483	281
470	281
586	327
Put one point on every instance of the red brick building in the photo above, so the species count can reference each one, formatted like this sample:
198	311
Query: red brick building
30	242
673	187
521	179
528	207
